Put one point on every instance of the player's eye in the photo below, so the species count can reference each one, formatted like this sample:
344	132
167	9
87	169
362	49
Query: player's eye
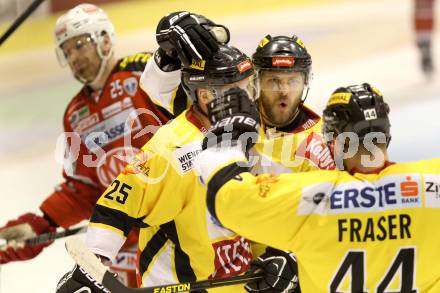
82	43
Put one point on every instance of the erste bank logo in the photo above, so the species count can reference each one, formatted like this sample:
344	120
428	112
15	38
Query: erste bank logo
389	192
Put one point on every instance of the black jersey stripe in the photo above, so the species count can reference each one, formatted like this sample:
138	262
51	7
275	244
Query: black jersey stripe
180	101
151	249
116	219
184	271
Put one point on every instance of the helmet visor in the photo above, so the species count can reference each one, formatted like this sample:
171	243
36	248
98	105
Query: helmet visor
75	45
281	81
246	84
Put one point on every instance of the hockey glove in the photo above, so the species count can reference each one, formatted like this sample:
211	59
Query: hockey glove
280	272
167	61
79	281
15	232
190	36
234	118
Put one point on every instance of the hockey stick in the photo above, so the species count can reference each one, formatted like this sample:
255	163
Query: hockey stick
46	237
92	265
22	17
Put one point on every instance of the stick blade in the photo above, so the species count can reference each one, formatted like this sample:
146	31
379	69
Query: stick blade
82	255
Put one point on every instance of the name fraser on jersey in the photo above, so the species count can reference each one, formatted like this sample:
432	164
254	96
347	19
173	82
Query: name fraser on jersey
389	227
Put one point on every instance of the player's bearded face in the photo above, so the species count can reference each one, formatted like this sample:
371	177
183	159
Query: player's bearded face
82	57
280	96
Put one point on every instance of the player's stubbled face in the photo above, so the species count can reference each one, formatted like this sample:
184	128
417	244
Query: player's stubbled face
280	94
82	57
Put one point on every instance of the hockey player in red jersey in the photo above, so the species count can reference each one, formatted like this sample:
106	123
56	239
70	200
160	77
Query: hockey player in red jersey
102	131
424	25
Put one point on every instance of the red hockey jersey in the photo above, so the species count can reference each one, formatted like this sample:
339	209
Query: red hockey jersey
103	131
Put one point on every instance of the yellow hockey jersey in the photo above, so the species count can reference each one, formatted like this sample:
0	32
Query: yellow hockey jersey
159	192
276	151
350	233
299	150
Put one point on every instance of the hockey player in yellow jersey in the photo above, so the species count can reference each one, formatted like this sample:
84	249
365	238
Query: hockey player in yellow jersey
160	193
366	228
290	138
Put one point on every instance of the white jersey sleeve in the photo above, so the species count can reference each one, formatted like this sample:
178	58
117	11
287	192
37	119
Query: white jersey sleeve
160	86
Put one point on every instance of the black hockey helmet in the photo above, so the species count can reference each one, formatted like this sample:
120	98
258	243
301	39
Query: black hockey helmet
357	108
227	65
283	53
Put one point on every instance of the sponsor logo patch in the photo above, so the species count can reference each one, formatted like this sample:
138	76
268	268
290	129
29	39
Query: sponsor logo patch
283	61
339	98
390	192
198	64
77	115
110	130
186	155
137	165
316	151
86	123
111	110
432	191
245	65
265	181
232	257
113	163
197	78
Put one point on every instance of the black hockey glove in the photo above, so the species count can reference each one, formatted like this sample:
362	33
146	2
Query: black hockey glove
167	61
234	117
190	36
280	272
79	281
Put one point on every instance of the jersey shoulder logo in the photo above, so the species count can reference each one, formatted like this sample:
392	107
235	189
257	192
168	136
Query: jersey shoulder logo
134	62
130	85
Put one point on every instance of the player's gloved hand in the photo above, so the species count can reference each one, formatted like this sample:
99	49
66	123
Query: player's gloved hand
190	36
15	232
79	281
234	117
280	272
167	61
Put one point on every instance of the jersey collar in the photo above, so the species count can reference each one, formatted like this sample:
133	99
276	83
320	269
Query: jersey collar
194	120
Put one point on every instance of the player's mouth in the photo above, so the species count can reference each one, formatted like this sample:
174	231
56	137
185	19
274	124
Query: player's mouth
282	105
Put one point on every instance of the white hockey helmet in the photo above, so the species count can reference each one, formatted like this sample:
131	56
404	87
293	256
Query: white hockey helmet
83	19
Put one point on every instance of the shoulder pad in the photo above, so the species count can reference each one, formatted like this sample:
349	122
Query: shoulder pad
134	62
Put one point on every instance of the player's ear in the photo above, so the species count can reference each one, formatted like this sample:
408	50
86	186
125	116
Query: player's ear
203	96
106	44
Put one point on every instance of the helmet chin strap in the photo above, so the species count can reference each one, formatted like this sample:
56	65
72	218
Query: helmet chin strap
102	66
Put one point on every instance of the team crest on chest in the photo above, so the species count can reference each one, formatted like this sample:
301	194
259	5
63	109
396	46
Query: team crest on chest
130	85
